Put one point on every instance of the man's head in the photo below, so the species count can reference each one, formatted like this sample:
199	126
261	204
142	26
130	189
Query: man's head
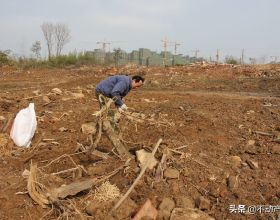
137	81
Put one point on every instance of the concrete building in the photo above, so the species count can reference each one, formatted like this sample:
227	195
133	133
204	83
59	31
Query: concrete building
141	57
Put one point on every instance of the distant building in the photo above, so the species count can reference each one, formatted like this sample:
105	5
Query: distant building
141	57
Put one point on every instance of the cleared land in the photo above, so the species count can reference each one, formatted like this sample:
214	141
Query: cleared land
224	144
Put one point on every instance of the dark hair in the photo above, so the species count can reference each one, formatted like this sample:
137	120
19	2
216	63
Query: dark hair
138	78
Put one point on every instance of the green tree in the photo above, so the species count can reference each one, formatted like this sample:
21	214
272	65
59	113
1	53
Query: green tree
36	49
231	60
4	57
117	56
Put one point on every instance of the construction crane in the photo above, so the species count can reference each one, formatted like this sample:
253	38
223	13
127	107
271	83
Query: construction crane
175	44
105	43
166	43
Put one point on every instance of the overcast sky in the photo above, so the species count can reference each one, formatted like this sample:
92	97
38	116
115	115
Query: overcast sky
229	25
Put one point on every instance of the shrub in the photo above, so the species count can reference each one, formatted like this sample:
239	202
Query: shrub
231	60
4	58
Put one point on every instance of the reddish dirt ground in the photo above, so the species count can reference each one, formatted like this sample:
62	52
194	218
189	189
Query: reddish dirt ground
227	116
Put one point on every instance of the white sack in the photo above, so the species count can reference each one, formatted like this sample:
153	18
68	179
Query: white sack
24	126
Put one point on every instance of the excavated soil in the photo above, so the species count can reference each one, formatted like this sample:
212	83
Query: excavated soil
226	130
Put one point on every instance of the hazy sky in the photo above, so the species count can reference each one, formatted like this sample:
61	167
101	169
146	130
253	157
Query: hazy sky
229	25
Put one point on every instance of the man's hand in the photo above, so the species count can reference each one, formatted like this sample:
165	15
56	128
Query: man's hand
123	108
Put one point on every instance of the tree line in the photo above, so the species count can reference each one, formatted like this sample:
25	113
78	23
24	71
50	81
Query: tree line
56	37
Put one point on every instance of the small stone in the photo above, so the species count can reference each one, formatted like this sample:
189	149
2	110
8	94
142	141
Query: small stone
235	161
232	182
184	202
251	149
25	173
171	173
89	128
62	129
202	203
253	165
244	164
92	208
175	188
275	149
78	95
214	190
165	209
155	83
143	157
223	193
46	99
36	92
126	209
56	91
186	172
251	142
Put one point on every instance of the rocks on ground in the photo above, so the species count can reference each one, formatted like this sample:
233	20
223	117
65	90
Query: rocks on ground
202	203
171	173
57	91
189	214
165	209
88	128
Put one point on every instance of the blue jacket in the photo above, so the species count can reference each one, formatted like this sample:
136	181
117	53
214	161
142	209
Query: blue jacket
115	86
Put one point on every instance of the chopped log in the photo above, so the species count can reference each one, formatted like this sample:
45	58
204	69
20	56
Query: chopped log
100	154
78	186
122	151
71	189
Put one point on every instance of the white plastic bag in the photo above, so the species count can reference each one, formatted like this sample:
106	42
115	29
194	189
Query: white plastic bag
24	126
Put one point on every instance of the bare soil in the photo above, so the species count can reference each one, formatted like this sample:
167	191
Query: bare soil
219	111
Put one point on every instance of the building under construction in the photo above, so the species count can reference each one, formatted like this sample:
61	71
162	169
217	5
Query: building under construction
141	57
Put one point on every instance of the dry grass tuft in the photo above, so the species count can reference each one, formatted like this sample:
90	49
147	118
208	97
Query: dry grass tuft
5	148
106	192
37	190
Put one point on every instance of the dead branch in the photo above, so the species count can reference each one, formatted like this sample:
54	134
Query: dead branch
100	154
132	117
139	176
262	133
98	137
62	156
115	139
161	167
66	171
104	108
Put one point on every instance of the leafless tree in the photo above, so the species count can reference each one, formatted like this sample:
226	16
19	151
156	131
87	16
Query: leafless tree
48	31
62	37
